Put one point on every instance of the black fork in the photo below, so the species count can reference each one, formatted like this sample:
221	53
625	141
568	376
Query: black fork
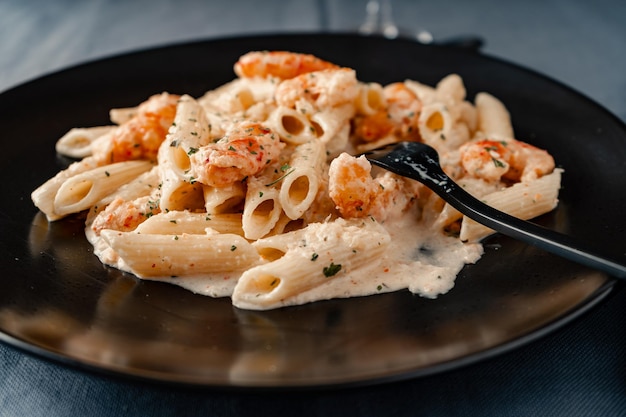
420	162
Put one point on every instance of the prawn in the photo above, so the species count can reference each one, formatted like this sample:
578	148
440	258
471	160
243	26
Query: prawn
399	116
141	136
323	89
357	194
529	162
509	159
279	64
125	216
245	150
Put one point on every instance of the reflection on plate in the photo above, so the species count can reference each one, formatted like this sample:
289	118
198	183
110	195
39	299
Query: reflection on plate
57	300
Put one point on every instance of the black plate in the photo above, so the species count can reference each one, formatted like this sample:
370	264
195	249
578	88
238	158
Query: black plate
57	300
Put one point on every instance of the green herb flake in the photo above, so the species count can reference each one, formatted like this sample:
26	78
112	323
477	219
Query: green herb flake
331	269
233	248
191	151
280	178
314	257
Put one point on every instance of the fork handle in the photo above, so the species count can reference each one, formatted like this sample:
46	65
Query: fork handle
531	233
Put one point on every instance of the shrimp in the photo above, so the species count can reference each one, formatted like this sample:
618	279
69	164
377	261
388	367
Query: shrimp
324	89
506	159
356	194
141	136
528	162
399	116
125	216
245	150
486	159
279	64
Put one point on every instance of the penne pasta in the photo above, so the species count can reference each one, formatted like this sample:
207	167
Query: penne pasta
43	196
223	199
82	191
292	126
370	99
78	141
299	189
440	128
179	222
319	253
122	115
333	127
450	89
257	193
189	132
262	208
524	200
153	255
494	119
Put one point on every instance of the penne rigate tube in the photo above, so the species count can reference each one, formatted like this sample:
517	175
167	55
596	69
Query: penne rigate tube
77	142
524	200
150	255
256	193
82	191
261	209
43	197
224	199
323	252
179	222
494	119
299	189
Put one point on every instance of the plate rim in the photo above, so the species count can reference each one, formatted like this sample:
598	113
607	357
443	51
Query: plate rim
575	312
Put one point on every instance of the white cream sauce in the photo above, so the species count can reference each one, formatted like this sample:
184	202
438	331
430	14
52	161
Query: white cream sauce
419	258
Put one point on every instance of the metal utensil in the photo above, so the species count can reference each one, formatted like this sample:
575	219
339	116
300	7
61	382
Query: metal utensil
420	162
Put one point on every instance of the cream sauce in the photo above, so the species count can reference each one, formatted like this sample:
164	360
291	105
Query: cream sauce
419	258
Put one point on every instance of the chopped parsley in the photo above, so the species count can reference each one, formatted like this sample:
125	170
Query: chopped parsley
331	269
281	177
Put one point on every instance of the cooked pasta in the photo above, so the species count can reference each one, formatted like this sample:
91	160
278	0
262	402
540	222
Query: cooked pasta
255	189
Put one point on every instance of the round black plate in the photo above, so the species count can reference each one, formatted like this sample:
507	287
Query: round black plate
57	300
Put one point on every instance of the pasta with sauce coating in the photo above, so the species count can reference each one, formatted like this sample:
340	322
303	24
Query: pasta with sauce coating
258	192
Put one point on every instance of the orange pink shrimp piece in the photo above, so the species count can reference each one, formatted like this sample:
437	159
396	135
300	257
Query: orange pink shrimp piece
507	159
356	194
141	136
399	117
486	159
245	150
279	64
528	162
125	216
